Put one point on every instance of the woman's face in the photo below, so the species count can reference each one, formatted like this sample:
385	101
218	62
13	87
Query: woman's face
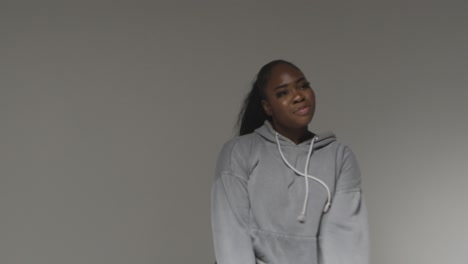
290	101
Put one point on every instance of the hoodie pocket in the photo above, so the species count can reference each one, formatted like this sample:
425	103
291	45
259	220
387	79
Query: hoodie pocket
275	248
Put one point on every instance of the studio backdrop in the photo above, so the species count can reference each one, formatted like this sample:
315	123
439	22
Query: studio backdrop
113	113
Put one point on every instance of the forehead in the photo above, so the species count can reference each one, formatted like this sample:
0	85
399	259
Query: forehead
284	74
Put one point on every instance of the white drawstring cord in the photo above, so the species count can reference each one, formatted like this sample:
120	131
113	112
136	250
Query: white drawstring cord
301	217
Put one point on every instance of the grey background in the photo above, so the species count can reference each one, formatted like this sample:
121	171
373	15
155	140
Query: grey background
112	115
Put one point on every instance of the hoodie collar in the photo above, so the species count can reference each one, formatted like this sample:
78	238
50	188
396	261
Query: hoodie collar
268	132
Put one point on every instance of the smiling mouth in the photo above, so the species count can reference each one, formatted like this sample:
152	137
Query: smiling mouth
303	110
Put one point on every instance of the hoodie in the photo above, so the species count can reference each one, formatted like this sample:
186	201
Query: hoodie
277	202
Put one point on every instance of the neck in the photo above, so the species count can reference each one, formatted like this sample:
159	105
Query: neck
296	135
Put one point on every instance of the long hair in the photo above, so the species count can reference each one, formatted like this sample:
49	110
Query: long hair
252	115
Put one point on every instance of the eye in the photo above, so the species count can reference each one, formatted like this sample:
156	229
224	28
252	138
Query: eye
305	85
281	93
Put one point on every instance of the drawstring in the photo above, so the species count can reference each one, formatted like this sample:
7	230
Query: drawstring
302	216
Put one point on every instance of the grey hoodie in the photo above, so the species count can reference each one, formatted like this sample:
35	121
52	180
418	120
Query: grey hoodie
257	198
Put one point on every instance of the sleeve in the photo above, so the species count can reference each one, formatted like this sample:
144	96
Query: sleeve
344	232
230	209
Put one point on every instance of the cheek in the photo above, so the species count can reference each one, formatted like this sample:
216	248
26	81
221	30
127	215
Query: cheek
279	107
282	104
311	96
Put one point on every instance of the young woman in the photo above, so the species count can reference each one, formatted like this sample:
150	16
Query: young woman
281	193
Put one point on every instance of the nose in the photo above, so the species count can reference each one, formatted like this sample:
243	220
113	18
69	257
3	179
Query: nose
298	97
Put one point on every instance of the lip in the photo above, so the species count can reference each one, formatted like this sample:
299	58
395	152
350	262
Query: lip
303	110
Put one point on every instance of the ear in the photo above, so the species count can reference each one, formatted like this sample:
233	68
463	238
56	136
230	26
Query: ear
266	107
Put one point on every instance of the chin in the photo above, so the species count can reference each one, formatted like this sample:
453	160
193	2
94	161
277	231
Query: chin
306	121
302	123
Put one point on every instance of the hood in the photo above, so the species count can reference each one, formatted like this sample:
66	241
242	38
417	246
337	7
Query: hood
268	132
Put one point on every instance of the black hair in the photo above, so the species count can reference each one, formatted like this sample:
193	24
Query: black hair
252	115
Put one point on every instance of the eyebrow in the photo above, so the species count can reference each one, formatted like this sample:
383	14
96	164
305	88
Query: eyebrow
286	85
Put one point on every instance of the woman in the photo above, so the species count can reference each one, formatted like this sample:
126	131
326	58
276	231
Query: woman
281	193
